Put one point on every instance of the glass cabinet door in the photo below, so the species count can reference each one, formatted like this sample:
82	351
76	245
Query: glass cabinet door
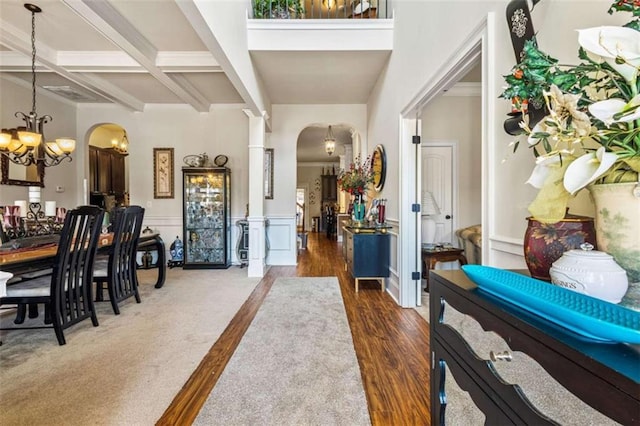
206	218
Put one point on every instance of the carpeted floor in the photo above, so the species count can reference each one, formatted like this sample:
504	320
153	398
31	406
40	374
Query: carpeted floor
295	365
127	370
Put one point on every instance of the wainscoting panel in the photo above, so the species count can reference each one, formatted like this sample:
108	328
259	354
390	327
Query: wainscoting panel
506	252
282	241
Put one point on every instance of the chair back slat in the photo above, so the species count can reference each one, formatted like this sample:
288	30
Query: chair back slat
122	260
73	269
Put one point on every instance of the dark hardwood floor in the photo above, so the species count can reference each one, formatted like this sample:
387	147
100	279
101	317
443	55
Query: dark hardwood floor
391	343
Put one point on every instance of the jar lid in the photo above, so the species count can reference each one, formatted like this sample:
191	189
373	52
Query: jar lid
586	251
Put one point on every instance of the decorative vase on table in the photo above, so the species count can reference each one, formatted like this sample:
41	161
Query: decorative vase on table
359	208
617	224
544	243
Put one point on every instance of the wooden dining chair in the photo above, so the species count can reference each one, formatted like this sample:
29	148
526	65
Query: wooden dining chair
118	271
66	293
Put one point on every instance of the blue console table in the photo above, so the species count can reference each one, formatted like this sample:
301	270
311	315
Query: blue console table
366	254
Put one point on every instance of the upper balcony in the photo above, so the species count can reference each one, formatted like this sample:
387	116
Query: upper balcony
322	9
320	51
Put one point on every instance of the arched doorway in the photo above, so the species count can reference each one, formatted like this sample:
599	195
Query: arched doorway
317	171
108	184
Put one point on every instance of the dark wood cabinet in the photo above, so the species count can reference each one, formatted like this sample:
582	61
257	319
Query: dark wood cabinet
329	188
604	376
107	172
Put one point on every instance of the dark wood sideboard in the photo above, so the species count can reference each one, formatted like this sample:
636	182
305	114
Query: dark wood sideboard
606	376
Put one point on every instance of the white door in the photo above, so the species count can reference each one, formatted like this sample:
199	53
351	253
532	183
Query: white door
438	178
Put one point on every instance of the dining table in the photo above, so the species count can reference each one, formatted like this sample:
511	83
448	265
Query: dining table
21	261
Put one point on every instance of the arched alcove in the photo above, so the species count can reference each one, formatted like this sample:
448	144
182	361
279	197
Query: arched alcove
108	183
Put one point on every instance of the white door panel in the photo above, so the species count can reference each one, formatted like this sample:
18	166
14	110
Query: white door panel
437	177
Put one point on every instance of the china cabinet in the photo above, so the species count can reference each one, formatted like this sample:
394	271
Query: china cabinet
206	217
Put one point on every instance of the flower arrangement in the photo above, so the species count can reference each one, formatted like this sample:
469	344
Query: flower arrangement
591	131
357	177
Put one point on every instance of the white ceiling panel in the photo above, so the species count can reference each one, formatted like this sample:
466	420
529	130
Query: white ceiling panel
320	77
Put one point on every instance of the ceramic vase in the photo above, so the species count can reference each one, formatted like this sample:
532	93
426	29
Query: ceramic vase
544	243
617	224
359	208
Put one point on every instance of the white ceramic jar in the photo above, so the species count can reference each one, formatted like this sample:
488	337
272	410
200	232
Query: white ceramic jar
591	272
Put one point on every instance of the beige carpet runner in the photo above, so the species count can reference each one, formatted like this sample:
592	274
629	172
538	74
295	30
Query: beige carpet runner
295	365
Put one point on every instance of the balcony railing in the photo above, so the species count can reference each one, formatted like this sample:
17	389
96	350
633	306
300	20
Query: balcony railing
322	9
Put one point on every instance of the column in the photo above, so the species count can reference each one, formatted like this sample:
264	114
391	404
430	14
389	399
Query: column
256	219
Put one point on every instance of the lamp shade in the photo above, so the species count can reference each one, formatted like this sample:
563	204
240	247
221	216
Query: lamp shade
429	205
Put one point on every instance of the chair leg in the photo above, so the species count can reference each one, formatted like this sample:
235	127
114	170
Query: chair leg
20	314
33	310
99	291
94	318
47	314
137	293
112	297
57	327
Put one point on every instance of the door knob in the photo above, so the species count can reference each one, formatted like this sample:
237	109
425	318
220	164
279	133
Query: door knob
448	216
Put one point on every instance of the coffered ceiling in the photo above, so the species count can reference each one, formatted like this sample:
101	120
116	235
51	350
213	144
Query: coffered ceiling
139	52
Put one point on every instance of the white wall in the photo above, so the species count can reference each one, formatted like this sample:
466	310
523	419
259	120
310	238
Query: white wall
426	34
287	123
464	113
223	130
18	98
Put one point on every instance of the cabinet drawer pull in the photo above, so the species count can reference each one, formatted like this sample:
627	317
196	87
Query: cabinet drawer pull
500	356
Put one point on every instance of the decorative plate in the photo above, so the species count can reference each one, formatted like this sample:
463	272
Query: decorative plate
379	167
220	160
588	317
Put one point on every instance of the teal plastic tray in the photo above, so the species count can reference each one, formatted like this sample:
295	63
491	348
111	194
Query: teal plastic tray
591	318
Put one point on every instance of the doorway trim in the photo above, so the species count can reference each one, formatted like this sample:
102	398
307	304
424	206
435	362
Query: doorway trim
479	44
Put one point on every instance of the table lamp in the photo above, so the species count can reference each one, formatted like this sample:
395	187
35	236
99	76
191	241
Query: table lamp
429	208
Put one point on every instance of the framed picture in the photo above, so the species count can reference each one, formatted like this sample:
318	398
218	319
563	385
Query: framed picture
268	173
163	173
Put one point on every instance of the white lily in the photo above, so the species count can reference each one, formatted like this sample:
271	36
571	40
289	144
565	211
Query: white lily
613	44
607	109
544	165
587	168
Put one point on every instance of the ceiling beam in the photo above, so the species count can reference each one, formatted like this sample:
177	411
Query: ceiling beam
111	24
47	57
197	21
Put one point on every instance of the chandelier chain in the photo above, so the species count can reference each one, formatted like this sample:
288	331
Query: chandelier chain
33	62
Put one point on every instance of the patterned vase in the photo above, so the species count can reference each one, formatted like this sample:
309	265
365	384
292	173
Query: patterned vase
618	224
544	243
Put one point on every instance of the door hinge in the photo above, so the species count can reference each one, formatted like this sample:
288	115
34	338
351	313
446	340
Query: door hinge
416	276
416	140
415	208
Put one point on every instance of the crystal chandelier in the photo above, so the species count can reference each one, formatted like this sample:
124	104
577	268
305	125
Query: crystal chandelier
25	145
329	142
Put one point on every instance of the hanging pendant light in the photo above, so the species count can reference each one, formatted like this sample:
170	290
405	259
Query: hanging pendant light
121	145
329	142
26	145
